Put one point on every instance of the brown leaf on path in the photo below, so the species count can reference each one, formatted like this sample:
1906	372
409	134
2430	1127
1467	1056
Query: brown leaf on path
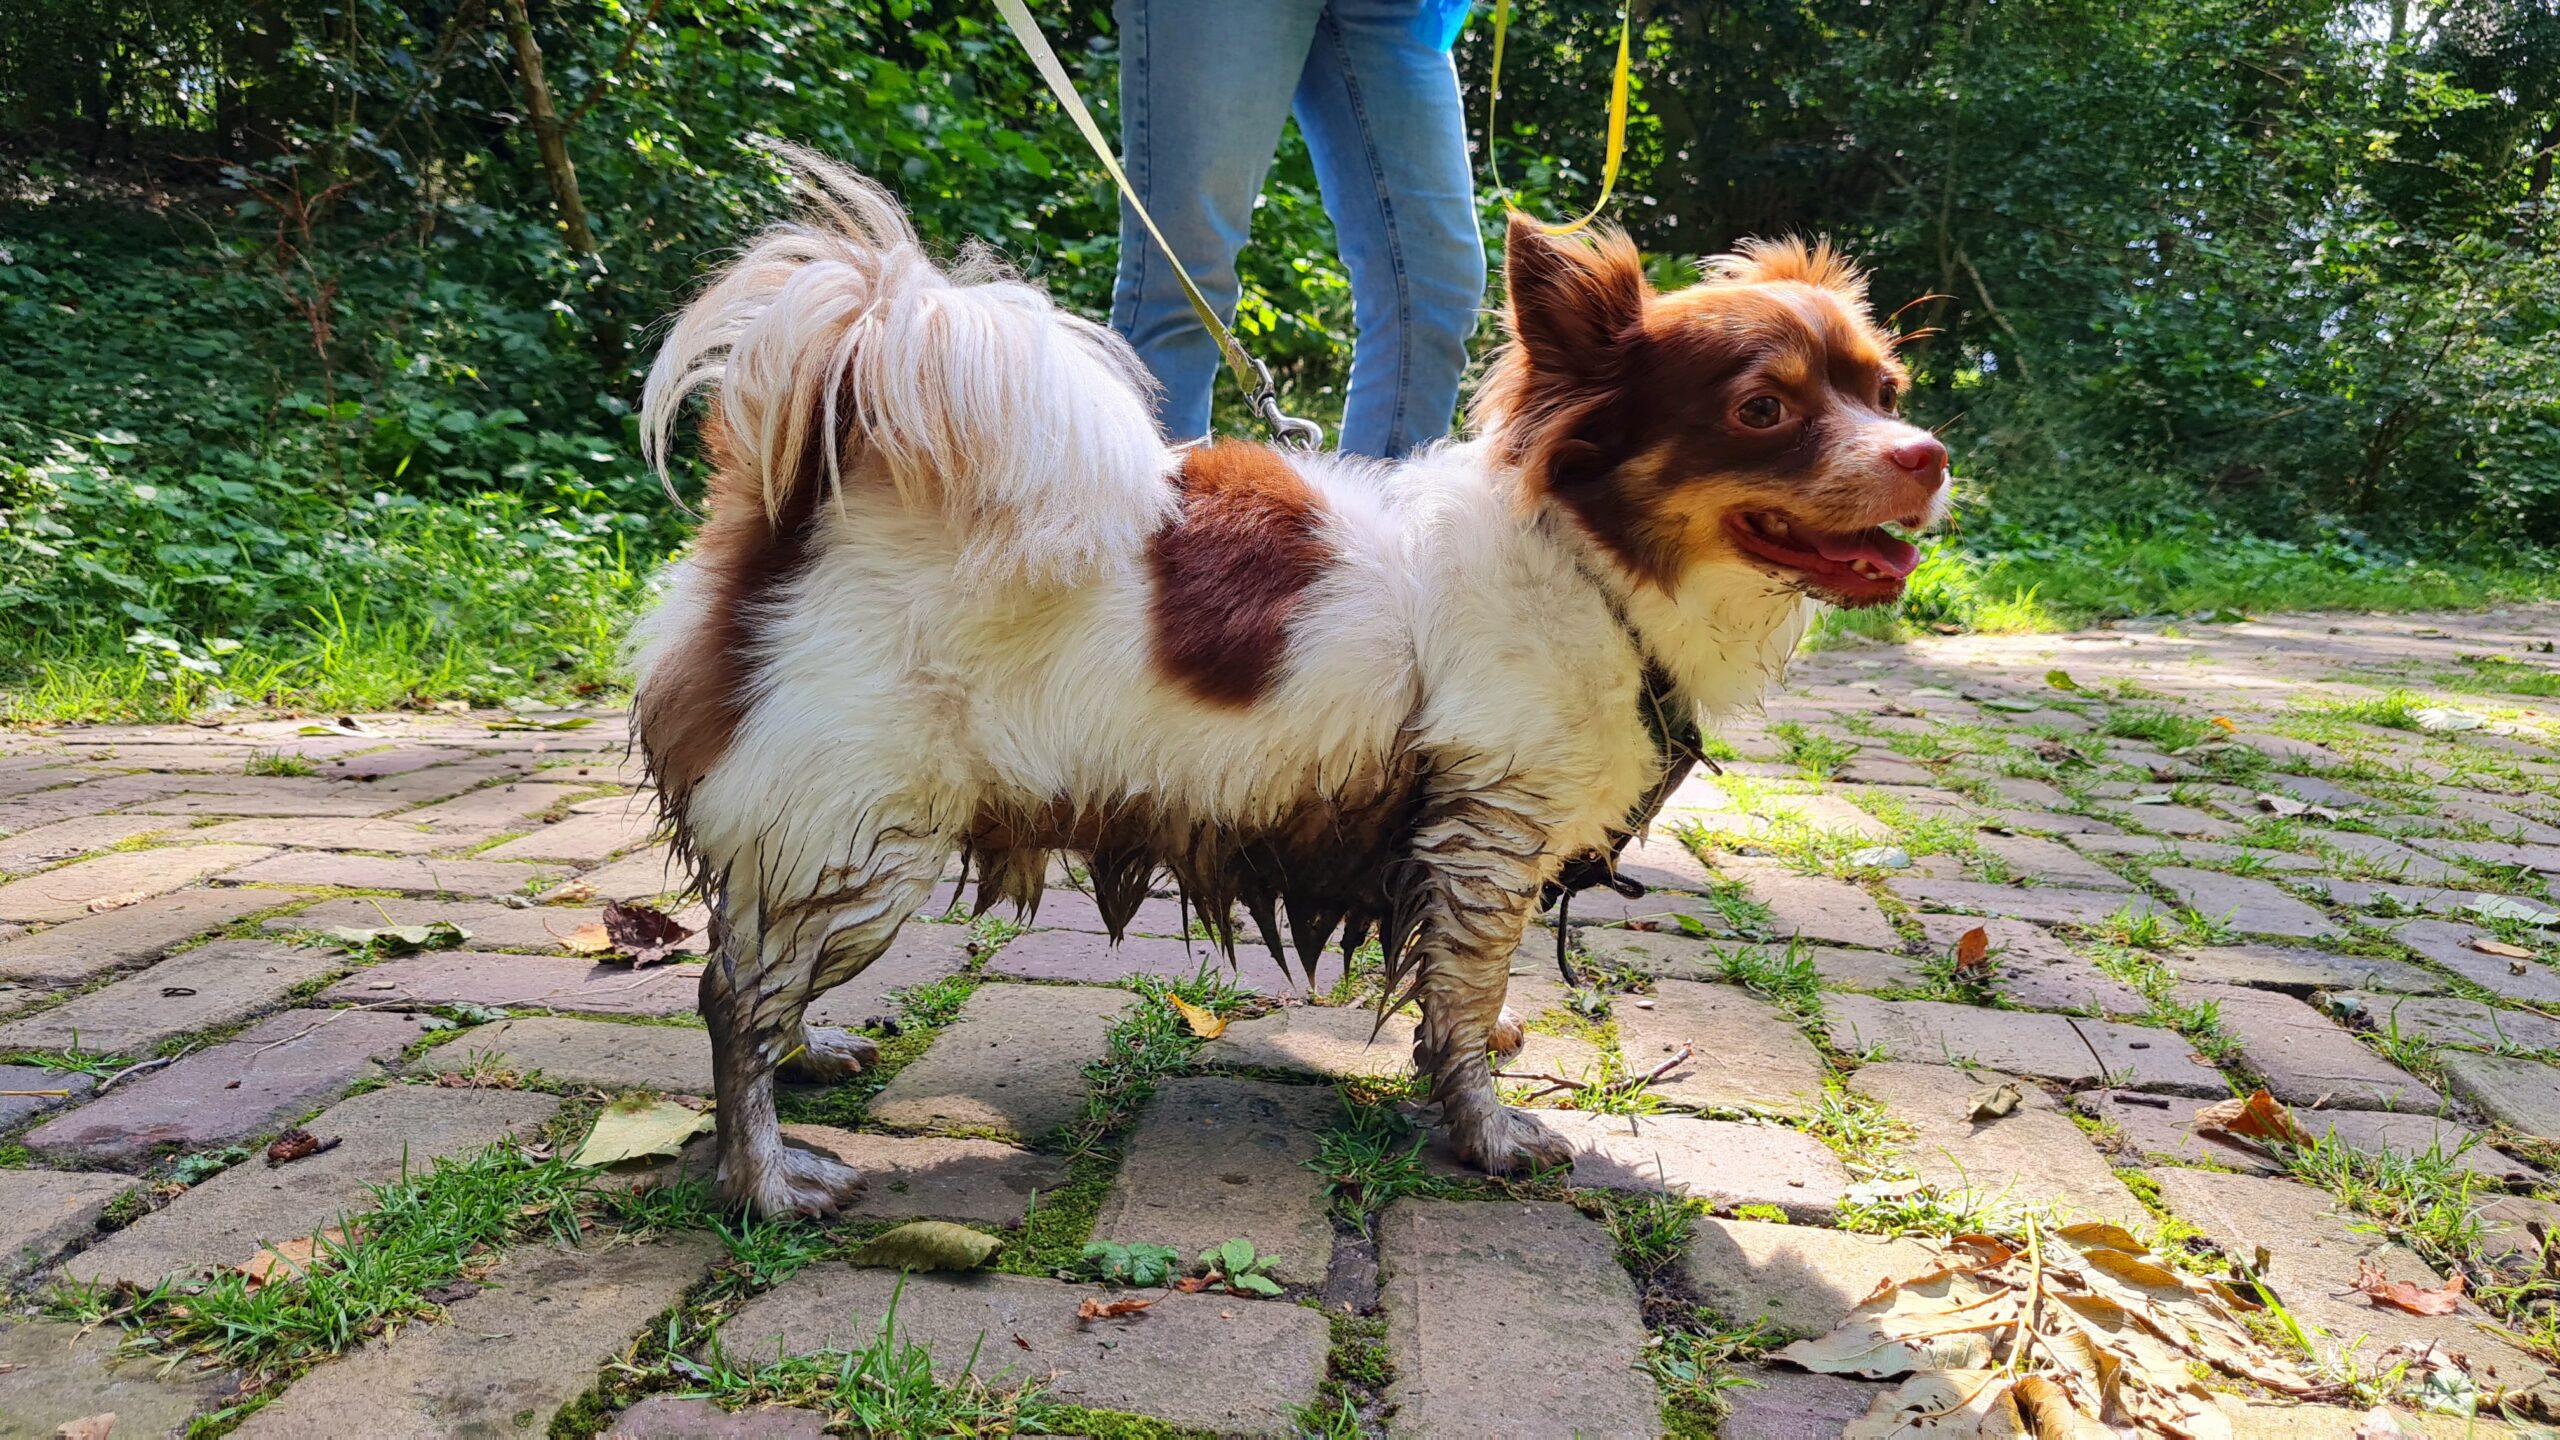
298	1143
87	1427
1096	1309
587	940
1973	953
1994	1101
2259	1116
1194	1284
2098	1234
293	1257
642	934
2407	1295
2499	948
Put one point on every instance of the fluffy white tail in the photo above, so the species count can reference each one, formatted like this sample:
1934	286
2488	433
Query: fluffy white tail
836	348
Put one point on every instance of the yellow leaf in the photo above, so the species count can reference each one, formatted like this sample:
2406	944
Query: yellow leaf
2099	1235
2258	1116
587	940
1203	1024
633	1127
2225	726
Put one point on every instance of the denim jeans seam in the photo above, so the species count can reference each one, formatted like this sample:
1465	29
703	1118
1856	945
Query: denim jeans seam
1140	173
1393	443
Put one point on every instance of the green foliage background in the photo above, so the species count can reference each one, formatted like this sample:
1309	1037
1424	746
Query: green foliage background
304	396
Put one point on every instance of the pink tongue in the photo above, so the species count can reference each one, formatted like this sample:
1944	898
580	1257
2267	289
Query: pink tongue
1892	556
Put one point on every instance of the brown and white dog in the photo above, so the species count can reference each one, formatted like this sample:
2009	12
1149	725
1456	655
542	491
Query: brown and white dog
957	596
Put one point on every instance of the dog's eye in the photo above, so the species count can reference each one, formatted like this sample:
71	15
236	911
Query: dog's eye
1889	395
1761	411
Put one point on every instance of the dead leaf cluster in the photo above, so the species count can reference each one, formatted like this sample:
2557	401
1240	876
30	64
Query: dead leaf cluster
298	1143
2260	1116
632	932
2080	1332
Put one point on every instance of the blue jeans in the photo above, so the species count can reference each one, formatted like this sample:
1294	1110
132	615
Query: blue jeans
1205	86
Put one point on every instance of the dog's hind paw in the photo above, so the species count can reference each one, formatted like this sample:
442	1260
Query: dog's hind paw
1507	1142
828	1055
1509	1034
794	1182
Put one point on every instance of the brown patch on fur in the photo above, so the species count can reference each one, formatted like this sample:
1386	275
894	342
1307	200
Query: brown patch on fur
1618	402
696	697
1229	571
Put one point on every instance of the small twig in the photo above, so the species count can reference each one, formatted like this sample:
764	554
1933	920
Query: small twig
131	1070
14	1094
1636	1085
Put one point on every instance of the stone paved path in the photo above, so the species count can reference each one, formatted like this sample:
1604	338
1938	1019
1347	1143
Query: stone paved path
2315	854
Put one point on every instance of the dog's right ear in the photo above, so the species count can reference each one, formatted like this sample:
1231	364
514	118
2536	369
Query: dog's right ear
1572	304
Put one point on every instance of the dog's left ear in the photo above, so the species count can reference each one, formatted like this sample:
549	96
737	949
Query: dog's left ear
1573	304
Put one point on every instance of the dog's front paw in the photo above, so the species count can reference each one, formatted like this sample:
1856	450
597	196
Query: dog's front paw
1506	1142
1509	1034
828	1055
791	1181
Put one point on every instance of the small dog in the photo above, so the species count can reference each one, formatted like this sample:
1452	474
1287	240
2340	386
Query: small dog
957	597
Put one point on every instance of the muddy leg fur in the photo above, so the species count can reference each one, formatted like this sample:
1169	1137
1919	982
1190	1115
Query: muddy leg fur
826	1055
1484	859
772	954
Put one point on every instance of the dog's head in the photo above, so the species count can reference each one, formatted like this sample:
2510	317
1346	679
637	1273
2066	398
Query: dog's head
1749	420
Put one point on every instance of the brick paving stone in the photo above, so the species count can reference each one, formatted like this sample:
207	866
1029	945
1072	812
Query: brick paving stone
393	836
44	807
2369	895
519	982
1064	907
2052	862
1507	1318
44	1212
269	1074
1657	907
2202	852
904	1177
2299	971
923	953
505	1360
2306	1060
1012	1064
216	984
2316	1253
2243	904
1745	1053
2050	1047
2447	943
1796	1281
1813	907
1726	1163
331	800
81	950
375	764
2051	904
108	882
2271	1420
1842	969
2545	858
2139	1131
664	1417
499	807
582	839
674	1059
1215	1158
640	875
2184	821
488	926
382	1133
1656	953
2523	1095
2420	1135
1776	1404
2036	969
2032	1156
1827	813
2389	860
2501	821
17	1110
68	839
1333	1041
1233	1366
1093	959
53	1372
2448	1020
416	876
1664	863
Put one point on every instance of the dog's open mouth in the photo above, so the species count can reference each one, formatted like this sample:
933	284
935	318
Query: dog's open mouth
1848	567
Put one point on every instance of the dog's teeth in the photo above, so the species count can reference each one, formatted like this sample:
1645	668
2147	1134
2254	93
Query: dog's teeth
1777	528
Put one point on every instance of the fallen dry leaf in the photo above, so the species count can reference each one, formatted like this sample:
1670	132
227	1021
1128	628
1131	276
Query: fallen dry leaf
2225	726
1973	953
1194	1284
1093	1309
1203	1024
2258	1117
87	1427
634	1126
2499	948
2407	1295
644	933
587	940
293	1257
298	1143
1994	1101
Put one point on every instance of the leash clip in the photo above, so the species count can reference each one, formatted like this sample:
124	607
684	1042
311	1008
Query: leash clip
1293	431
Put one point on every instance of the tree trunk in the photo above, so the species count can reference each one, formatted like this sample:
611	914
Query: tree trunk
546	132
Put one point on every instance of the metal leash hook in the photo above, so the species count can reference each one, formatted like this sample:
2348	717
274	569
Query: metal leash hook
1290	430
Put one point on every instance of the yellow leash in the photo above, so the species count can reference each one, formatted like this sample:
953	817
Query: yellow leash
1250	375
1617	114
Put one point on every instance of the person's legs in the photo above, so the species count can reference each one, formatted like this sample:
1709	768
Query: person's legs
1204	90
1382	116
